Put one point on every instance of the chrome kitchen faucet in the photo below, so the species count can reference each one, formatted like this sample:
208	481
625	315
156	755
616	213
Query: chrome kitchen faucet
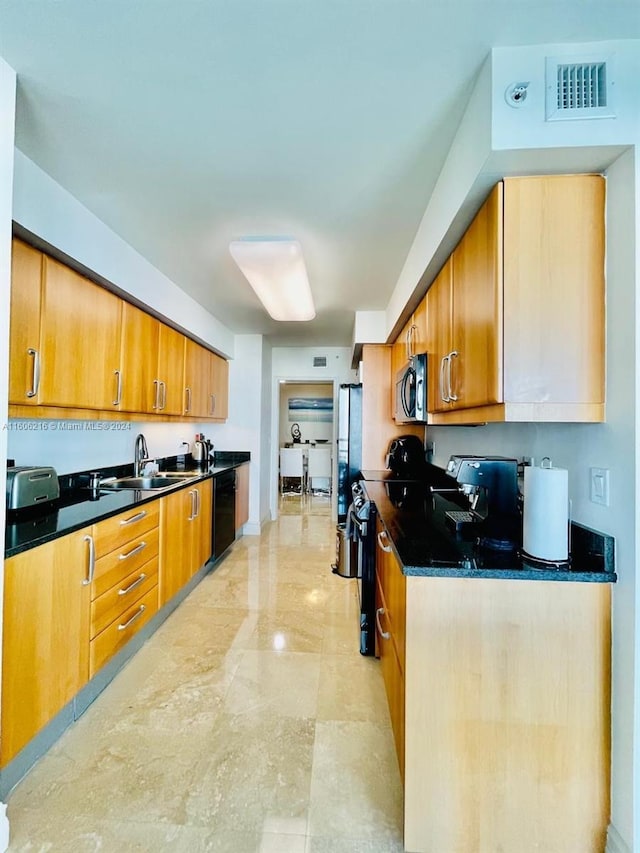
141	455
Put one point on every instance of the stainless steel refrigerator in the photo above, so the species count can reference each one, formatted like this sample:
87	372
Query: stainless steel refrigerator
349	444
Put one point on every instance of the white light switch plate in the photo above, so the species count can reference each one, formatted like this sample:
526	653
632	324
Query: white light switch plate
599	489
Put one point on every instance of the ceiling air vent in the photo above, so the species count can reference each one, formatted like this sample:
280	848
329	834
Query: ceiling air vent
579	90
319	361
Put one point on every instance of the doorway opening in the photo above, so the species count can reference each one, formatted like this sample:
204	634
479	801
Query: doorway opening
307	423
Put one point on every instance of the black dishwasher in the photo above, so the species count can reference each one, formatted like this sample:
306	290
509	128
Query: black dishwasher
224	512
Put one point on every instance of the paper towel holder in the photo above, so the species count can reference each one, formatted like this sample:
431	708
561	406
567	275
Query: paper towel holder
540	562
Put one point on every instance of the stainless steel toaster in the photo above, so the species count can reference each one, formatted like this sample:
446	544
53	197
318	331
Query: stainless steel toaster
28	486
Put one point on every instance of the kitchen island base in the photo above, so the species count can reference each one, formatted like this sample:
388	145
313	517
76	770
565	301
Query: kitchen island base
507	716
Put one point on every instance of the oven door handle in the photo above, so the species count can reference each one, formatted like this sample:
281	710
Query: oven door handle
360	524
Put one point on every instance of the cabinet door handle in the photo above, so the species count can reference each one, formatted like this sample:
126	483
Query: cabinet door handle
386	548
384	634
35	384
91	567
452	397
133	551
193	506
187	402
212	409
156	393
136	615
118	375
137	517
162	402
196	496
443	366
133	585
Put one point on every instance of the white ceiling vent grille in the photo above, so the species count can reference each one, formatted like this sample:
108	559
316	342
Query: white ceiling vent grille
579	90
319	361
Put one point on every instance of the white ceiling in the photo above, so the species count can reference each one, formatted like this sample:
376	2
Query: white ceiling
183	125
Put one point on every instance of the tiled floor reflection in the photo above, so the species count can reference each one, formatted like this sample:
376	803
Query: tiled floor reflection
248	722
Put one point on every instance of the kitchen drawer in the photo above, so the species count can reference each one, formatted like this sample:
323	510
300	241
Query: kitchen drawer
115	531
112	603
392	675
117	565
116	635
393	587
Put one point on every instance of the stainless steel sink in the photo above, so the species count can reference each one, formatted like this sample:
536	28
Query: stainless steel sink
155	482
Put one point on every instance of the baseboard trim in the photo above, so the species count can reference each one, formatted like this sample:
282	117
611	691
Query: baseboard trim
615	842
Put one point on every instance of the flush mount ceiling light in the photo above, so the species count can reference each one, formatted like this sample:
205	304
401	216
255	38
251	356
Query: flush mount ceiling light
274	267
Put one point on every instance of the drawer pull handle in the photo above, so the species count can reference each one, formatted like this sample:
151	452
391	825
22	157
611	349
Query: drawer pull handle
135	616
386	548
384	634
133	585
133	551
91	565
137	517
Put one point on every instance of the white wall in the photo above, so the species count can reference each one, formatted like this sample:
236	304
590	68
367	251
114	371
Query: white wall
247	418
265	432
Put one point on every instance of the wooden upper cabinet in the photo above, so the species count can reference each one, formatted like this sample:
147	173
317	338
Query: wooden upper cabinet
554	298
527	308
219	395
80	341
440	337
24	329
138	359
475	361
420	335
170	371
197	380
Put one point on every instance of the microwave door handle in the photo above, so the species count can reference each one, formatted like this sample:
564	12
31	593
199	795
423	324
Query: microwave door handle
403	394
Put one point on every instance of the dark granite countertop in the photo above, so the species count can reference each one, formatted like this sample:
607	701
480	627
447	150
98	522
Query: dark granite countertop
425	546
79	506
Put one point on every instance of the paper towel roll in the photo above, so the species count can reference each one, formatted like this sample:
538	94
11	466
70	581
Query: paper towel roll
545	533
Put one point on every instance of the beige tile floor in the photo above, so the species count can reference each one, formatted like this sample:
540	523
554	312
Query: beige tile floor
248	722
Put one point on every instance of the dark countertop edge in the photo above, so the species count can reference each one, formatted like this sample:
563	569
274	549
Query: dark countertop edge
526	573
143	496
512	574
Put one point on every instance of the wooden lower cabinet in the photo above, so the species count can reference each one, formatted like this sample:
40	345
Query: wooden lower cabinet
185	536
504	723
45	650
390	635
242	495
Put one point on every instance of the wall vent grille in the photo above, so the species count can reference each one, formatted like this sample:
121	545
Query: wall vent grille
578	90
319	361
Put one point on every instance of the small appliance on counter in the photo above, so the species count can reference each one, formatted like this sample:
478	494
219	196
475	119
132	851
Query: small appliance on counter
202	452
406	457
494	481
29	486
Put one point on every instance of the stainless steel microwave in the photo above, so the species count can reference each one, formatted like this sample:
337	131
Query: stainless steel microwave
411	391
